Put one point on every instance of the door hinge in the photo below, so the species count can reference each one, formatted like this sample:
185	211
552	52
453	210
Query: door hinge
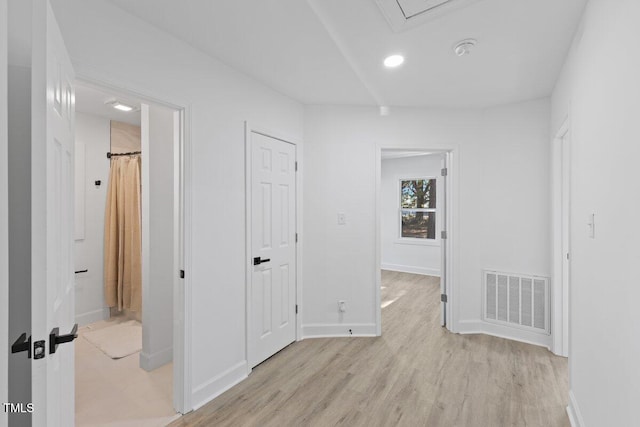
182	274
296	308
568	258
296	165
443	234
443	171
296	237
443	298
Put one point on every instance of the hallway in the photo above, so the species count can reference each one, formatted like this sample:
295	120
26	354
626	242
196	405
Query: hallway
417	373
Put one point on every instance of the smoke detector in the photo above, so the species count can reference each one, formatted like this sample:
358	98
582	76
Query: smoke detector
464	47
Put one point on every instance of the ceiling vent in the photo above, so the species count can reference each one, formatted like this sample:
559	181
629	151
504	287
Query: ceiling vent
405	14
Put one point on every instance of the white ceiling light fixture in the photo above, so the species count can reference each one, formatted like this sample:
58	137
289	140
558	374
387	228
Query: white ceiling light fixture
464	47
120	106
393	61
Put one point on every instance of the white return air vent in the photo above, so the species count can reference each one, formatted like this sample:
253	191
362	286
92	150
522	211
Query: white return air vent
405	14
517	300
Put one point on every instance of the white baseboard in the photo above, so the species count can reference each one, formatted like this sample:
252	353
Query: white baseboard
213	388
480	327
323	330
92	316
411	269
149	362
575	416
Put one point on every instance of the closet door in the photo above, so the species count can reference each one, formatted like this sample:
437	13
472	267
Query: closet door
272	291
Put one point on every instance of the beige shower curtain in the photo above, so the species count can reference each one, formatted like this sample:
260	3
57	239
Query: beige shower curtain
122	235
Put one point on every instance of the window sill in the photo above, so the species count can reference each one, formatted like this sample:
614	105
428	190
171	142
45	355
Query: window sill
417	242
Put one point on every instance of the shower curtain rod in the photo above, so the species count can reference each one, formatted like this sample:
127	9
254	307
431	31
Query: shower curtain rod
110	155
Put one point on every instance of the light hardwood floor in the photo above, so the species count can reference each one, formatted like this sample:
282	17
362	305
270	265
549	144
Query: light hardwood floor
415	374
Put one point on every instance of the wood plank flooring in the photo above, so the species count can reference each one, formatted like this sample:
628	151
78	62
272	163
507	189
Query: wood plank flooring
415	374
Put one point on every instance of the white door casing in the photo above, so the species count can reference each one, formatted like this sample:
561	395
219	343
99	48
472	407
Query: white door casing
560	254
52	198
566	245
272	219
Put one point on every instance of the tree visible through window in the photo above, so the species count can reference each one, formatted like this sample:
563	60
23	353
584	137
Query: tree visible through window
418	208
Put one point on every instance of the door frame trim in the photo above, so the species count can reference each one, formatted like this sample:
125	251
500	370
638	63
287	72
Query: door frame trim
559	304
248	129
450	248
182	325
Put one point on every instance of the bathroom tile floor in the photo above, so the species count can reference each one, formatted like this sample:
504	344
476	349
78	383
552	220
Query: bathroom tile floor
117	392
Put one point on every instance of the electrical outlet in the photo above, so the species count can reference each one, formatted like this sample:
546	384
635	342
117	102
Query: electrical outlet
342	306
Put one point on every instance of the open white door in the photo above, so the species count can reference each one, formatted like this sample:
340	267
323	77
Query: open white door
442	203
272	284
52	227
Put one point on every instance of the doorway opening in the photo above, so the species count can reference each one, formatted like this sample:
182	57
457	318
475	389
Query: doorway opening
412	229
127	257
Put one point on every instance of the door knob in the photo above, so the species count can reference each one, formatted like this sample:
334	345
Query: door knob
257	260
55	338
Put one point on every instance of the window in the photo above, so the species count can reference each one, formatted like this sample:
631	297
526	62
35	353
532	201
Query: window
418	208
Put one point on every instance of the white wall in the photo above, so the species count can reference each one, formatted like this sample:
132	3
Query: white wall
92	139
502	214
410	256
159	271
108	44
4	216
599	90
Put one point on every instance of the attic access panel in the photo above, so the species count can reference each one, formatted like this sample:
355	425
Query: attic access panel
405	14
413	8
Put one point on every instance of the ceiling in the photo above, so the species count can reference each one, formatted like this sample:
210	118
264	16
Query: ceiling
92	101
331	51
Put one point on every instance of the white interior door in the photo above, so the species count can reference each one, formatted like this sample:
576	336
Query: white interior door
273	247
52	198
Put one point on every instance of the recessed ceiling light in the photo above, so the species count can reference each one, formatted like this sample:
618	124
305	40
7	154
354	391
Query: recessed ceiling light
120	105
464	47
393	61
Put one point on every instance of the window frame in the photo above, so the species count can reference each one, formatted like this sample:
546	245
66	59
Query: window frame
416	240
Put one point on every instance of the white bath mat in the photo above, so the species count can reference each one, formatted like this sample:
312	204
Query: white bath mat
117	341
